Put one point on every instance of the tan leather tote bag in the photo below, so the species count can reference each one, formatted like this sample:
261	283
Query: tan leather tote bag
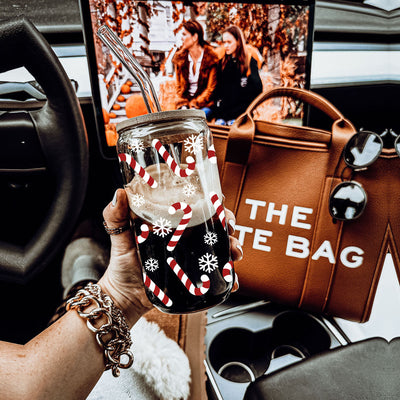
277	179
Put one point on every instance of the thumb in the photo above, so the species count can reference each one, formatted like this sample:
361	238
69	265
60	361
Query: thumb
117	222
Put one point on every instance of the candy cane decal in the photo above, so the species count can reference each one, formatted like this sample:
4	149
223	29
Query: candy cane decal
212	155
144	234
187	214
157	291
183	173
227	271
195	291
138	169
218	207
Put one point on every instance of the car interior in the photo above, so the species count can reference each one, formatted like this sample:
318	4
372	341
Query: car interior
59	169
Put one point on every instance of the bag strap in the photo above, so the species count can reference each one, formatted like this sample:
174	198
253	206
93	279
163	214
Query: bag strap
320	271
238	147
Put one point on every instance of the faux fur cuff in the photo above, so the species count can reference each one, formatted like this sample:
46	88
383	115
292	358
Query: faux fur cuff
160	369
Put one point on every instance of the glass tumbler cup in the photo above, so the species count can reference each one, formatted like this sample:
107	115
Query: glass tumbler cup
168	164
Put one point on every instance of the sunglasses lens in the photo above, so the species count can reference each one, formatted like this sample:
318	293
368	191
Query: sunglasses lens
347	201
362	149
397	145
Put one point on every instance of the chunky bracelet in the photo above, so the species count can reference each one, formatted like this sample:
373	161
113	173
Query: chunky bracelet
113	336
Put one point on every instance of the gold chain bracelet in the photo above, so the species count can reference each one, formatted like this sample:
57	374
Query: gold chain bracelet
114	336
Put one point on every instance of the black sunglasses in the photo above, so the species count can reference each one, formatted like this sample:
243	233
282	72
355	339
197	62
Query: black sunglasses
348	199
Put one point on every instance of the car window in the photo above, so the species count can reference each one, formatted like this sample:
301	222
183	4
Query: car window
356	20
46	14
355	42
58	20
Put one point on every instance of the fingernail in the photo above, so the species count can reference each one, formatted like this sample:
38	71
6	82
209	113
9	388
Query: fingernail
236	285
239	247
114	200
231	222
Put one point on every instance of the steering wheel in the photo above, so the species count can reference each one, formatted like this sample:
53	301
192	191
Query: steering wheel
58	125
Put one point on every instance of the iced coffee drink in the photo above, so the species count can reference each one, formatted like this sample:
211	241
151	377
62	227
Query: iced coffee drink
171	178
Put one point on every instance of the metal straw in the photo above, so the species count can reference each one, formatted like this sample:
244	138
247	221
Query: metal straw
112	41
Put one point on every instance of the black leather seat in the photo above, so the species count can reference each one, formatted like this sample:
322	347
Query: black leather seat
366	370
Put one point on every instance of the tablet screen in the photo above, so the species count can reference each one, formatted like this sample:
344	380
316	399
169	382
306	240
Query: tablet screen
277	35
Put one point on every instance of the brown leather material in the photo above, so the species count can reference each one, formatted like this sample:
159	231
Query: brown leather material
232	182
277	179
236	157
319	273
241	137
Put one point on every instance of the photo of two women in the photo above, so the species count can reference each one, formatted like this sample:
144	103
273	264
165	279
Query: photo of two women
221	87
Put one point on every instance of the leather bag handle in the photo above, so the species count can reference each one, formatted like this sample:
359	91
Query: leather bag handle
241	133
306	96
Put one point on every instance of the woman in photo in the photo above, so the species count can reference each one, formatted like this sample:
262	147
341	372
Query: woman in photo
196	69
238	80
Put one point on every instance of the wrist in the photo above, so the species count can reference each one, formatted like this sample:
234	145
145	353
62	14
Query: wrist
107	322
129	304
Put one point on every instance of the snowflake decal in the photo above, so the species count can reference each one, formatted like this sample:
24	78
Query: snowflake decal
193	144
208	262
162	227
151	264
189	190
138	200
210	238
137	145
